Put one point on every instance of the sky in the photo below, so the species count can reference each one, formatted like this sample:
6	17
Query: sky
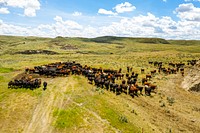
168	19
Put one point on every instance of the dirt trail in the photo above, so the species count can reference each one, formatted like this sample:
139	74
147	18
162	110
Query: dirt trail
53	97
42	117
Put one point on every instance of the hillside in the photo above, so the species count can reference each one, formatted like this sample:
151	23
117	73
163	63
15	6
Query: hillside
112	39
71	104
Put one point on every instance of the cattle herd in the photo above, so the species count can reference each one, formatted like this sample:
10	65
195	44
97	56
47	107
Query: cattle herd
109	79
25	82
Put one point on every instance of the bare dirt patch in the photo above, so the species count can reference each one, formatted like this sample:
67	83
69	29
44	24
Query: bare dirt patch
68	47
23	74
192	80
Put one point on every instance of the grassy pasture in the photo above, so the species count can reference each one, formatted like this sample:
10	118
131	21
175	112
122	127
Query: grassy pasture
83	108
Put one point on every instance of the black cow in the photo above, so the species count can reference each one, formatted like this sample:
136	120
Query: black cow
44	85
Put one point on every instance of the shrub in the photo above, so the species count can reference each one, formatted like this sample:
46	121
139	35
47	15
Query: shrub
170	100
123	119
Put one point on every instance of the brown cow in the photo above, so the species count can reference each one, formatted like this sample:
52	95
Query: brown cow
153	72
153	87
144	80
133	90
147	83
140	88
148	76
142	71
182	73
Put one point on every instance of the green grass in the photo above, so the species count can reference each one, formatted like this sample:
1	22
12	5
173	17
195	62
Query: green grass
185	42
68	118
1	78
6	70
113	113
100	103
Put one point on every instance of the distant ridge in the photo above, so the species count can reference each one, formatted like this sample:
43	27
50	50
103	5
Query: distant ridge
107	39
110	39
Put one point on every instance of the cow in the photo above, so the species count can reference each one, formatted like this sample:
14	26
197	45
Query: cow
119	76
120	70
153	72
128	68
140	88
148	76
124	88
133	90
44	85
10	84
113	87
147	83
127	75
144	80
142	70
150	62
147	90
118	89
153	87
107	84
182	73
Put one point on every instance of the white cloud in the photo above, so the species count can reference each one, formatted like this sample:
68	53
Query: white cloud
188	12
119	8
59	28
1	22
4	10
124	7
7	29
185	7
77	14
67	24
30	12
138	26
152	26
106	12
58	19
29	6
164	0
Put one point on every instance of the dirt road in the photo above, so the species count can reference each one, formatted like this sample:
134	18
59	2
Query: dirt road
41	120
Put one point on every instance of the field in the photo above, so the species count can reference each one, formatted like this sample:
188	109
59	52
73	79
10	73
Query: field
71	104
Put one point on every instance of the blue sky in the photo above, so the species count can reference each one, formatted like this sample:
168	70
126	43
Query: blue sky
169	19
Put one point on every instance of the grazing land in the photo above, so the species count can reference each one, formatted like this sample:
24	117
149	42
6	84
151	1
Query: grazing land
71	104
